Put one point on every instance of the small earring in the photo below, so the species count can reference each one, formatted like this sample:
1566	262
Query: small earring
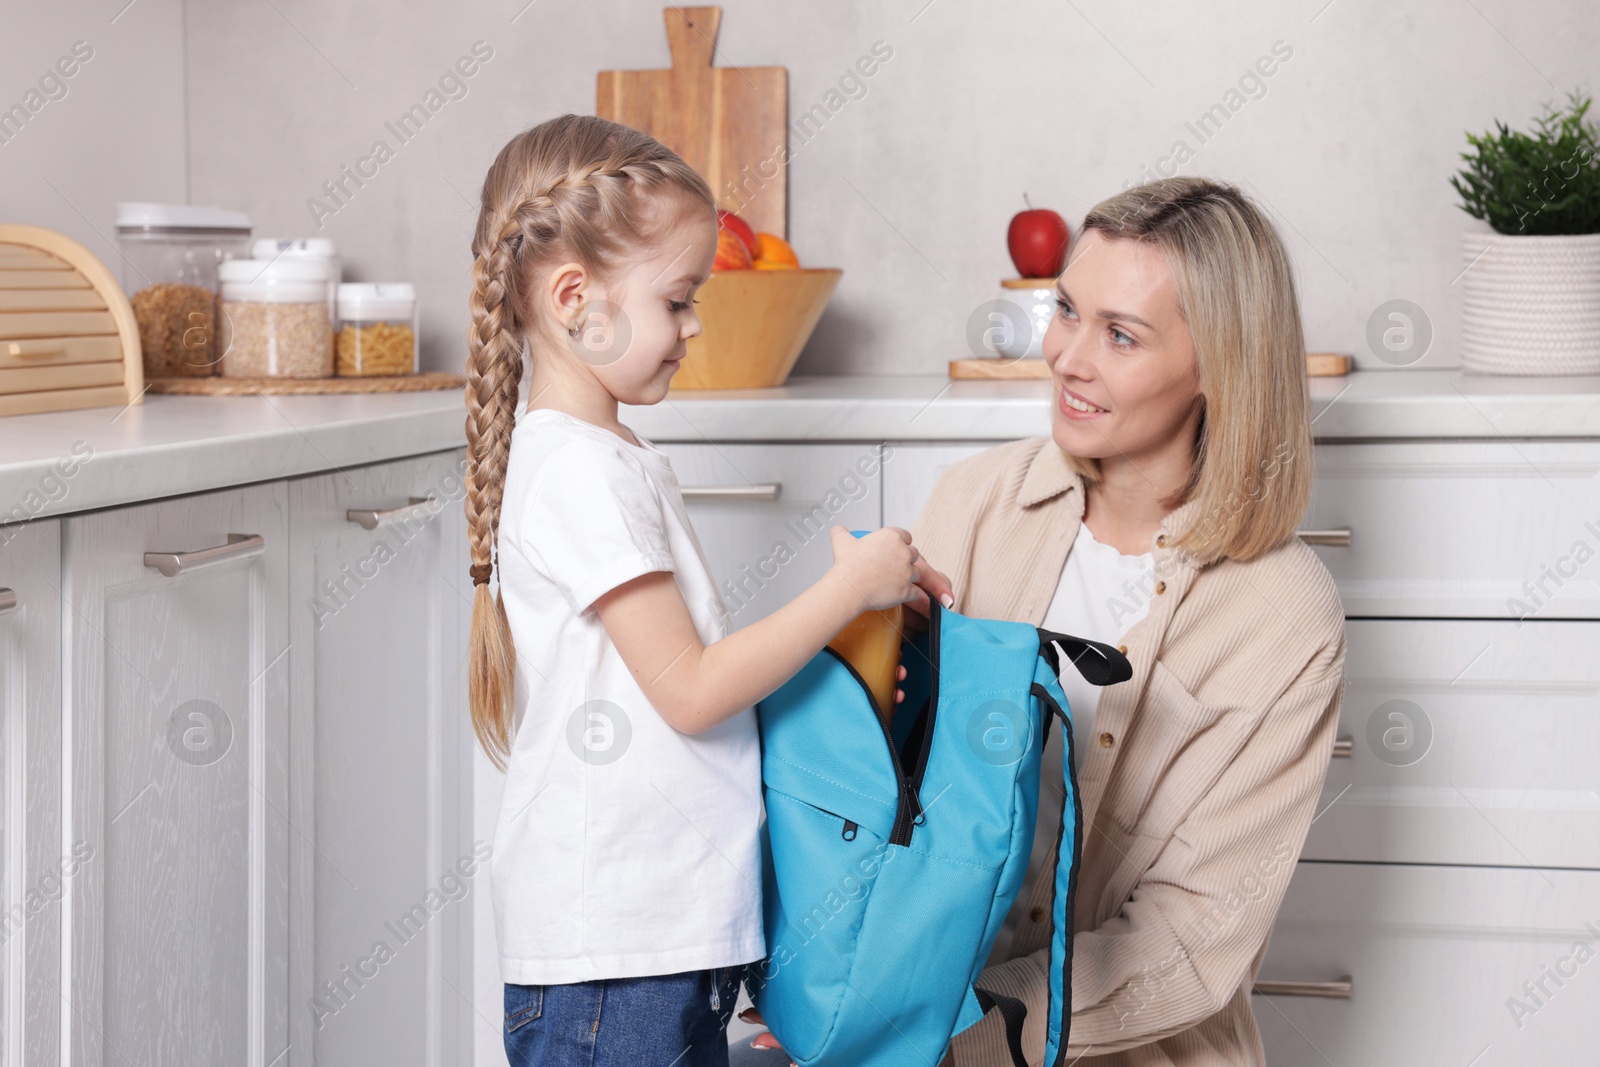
577	324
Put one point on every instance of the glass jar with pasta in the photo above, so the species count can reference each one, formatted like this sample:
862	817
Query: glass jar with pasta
377	329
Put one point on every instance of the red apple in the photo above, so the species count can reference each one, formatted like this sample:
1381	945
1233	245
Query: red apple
727	220
731	253
1037	240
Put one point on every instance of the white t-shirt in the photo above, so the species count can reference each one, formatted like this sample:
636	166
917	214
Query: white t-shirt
623	848
1101	594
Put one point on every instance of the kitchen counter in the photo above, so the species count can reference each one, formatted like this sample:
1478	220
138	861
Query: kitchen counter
171	445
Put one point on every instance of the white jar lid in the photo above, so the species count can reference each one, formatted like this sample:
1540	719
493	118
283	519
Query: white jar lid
135	219
285	281
297	248
375	301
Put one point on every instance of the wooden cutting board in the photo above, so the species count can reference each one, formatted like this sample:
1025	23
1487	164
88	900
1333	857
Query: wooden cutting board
728	123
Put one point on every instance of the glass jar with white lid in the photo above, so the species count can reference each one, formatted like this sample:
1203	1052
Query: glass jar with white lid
170	256
277	319
377	329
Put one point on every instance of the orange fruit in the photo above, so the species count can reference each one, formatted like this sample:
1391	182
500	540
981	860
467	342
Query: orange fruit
775	249
772	264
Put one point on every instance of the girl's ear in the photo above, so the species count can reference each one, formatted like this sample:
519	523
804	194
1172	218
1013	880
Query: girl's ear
567	289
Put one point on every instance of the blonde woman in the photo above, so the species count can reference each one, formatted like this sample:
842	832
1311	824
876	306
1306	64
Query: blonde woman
626	877
1160	516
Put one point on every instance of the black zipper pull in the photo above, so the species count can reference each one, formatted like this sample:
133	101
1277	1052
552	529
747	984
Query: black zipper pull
849	833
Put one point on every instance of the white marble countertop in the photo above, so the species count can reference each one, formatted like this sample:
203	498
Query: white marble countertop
170	445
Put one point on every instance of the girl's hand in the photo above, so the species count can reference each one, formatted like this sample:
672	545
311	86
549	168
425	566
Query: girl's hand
761	1040
881	568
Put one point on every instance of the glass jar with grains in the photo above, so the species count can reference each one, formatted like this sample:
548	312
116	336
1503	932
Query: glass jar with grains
170	257
377	329
277	320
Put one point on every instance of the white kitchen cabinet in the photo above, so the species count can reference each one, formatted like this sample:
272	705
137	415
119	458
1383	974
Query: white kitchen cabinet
1462	529
762	513
1437	959
910	471
379	602
1474	742
176	738
35	868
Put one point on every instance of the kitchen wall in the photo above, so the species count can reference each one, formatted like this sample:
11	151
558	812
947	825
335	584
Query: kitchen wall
112	129
908	185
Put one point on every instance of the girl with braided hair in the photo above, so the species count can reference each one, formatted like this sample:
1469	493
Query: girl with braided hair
604	679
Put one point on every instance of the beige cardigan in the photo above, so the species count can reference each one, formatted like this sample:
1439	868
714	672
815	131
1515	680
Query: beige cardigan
1197	787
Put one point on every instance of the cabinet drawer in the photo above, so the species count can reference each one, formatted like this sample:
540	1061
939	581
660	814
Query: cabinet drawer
1507	723
1445	965
762	512
1477	529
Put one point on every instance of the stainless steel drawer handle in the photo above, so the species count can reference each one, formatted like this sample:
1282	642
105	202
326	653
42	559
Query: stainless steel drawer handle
239	546
8	601
1338	990
762	491
420	507
1338	538
1344	747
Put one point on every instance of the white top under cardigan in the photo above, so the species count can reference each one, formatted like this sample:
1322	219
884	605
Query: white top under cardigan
1101	594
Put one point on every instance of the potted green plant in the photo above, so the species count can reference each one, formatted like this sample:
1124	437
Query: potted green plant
1531	300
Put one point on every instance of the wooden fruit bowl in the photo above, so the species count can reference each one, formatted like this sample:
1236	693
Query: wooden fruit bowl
753	325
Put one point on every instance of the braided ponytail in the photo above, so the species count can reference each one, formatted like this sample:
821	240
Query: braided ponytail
578	187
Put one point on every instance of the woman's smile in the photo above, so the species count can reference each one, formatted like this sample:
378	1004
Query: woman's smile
1074	406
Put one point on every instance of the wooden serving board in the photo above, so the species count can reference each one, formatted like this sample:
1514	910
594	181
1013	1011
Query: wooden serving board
397	383
1318	365
729	123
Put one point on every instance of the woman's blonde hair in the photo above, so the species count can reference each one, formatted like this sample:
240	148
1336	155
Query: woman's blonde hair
576	188
1252	454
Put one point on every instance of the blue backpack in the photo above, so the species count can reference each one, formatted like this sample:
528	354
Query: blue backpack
892	855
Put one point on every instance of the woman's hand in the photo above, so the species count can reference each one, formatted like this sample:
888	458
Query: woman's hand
930	583
765	1038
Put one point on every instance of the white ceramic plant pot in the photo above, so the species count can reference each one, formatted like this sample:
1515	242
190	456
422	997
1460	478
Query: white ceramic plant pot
1531	304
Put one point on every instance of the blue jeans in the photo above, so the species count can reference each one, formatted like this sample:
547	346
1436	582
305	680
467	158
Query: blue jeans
671	1020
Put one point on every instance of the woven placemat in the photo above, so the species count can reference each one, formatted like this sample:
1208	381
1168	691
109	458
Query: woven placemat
400	383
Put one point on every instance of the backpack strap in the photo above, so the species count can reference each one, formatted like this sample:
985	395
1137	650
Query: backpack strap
1100	664
1013	1011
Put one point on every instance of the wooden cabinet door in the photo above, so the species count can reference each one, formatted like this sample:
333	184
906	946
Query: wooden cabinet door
380	772
36	868
176	729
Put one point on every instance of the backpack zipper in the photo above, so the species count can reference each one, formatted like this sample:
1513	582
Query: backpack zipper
894	757
907	799
919	765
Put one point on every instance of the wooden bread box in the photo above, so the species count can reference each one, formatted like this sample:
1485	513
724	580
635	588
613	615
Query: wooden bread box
68	338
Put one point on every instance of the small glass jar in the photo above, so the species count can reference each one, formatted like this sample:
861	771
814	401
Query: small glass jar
377	329
277	319
170	256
